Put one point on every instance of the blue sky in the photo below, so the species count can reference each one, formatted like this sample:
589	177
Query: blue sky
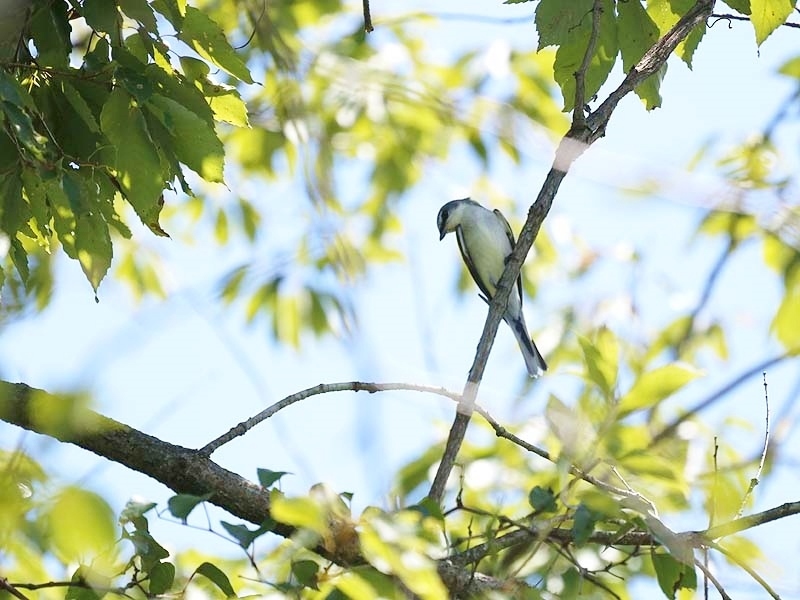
188	369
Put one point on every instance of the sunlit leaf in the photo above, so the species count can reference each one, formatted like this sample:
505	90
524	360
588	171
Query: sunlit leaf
654	386
768	15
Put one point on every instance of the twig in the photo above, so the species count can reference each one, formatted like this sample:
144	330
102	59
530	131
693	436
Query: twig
710	577
730	17
322	388
747	568
572	145
720	393
11	589
757	477
367	17
716	270
750	521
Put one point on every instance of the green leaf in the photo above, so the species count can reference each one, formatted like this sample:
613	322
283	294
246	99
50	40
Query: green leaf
141	11
555	20
181	505
741	6
50	31
656	385
583	523
228	107
245	536
14	211
637	33
267	478
19	257
601	358
305	571
786	320
93	246
221	226
768	15
162	575
195	142
80	106
542	500
665	13
103	16
217	577
573	45
134	156
135	510
194	69
672	574
208	39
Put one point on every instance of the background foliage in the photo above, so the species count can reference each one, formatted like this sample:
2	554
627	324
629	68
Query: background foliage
120	121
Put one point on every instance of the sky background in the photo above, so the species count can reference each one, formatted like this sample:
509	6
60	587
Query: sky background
188	369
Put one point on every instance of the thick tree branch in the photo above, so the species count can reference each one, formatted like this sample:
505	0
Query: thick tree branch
574	143
183	470
188	471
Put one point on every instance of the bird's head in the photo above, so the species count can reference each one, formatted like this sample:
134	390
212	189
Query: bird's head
449	216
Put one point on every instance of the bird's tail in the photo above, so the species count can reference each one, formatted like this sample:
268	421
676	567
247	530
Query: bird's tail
533	359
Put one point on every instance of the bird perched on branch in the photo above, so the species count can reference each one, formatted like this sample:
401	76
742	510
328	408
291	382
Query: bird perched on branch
486	241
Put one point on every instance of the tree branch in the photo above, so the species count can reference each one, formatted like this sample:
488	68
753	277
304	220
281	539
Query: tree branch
720	393
322	388
188	471
572	145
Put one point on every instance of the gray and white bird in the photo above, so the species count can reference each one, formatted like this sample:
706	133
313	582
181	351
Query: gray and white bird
486	240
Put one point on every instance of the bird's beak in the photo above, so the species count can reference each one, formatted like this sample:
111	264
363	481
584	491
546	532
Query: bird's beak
441	235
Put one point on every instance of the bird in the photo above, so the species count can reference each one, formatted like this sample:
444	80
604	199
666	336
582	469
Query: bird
485	240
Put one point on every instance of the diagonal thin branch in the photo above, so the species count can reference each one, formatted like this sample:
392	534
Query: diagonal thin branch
572	145
720	393
322	388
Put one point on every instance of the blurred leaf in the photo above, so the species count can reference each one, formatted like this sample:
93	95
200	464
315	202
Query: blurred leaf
81	525
583	522
654	386
601	360
542	500
787	318
221	230
305	571
299	512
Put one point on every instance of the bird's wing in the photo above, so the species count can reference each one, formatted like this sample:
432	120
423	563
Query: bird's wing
471	264
512	241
